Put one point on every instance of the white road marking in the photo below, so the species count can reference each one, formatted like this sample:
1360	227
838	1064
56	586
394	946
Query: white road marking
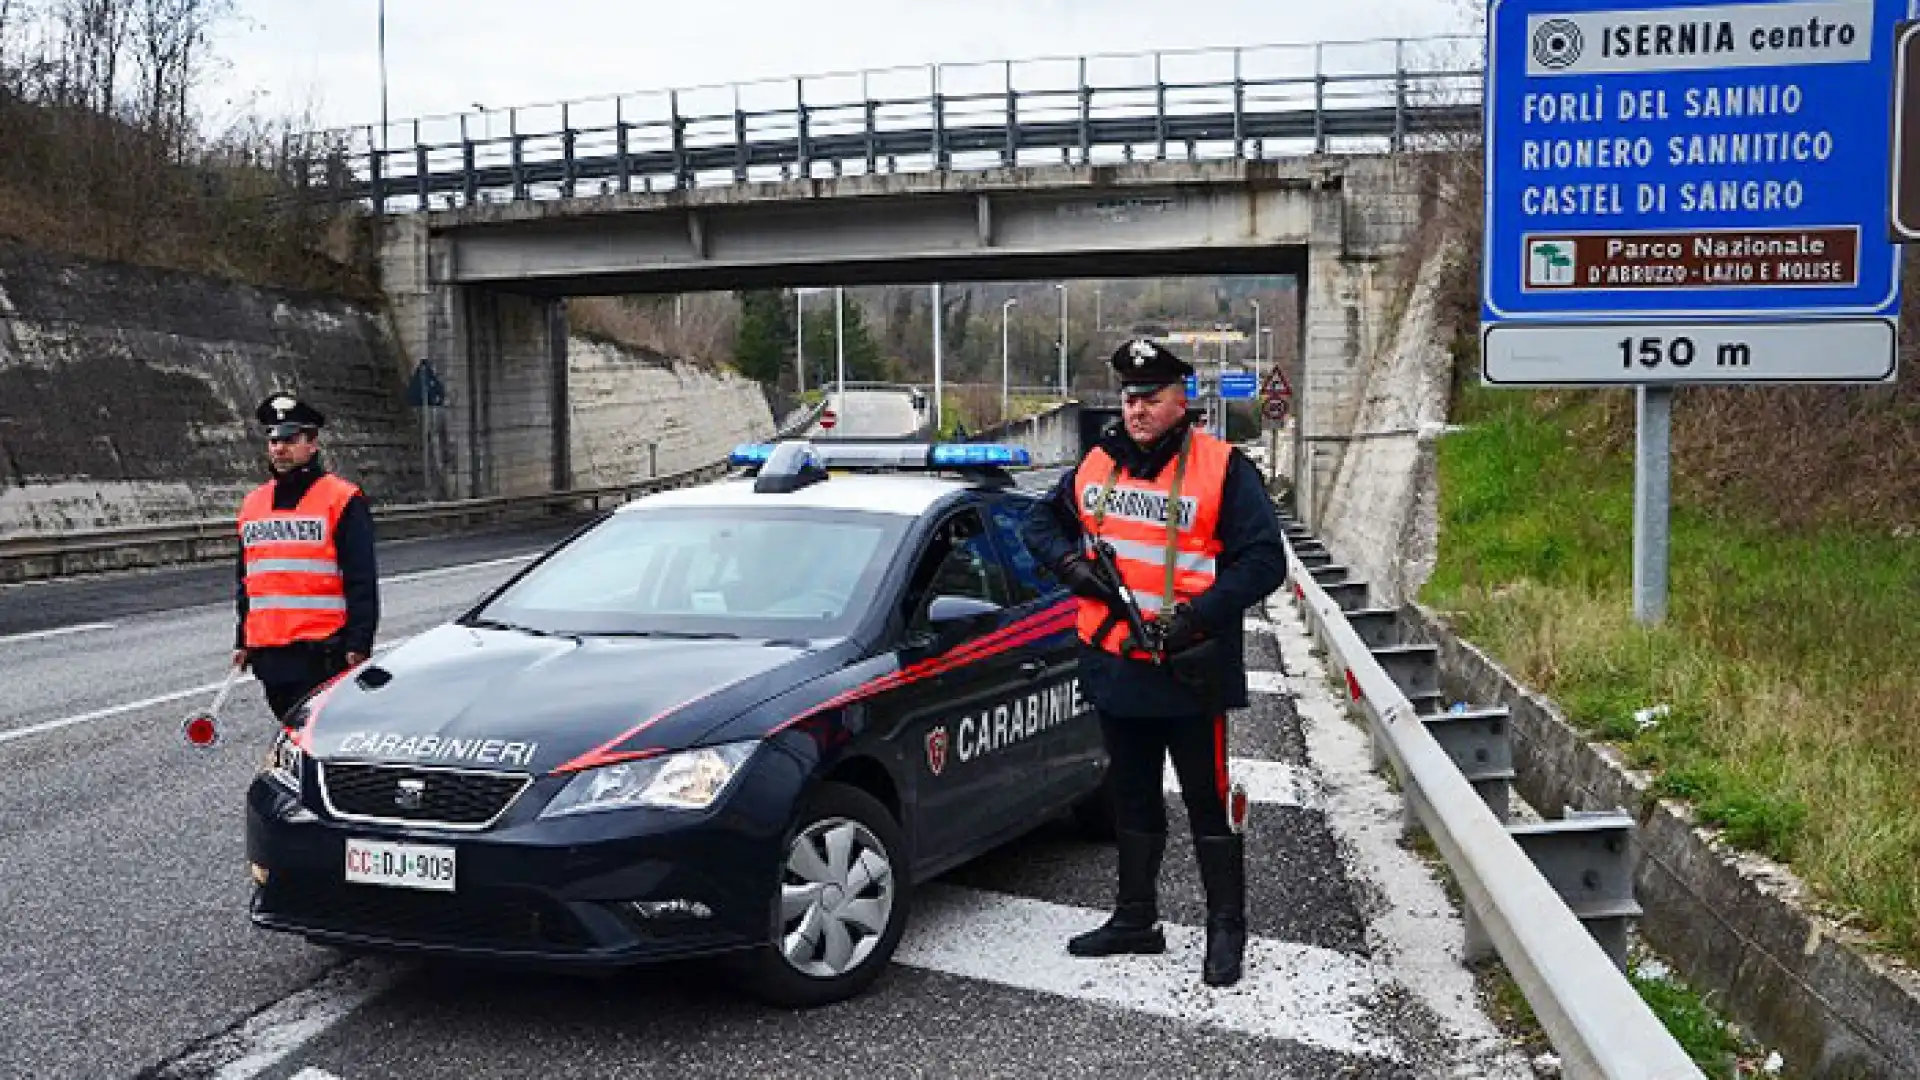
1269	783
314	1074
1419	938
1300	993
1268	682
145	703
111	711
268	1036
62	631
422	575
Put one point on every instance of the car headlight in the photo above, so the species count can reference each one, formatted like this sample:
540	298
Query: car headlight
283	761
688	780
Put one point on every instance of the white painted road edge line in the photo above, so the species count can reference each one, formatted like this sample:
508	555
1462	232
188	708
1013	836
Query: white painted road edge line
1300	993
1420	937
265	1039
59	631
314	1074
144	703
444	571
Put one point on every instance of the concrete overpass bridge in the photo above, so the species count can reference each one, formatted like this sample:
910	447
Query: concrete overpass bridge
1183	175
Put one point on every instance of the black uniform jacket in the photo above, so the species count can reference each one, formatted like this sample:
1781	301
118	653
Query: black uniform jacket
1252	563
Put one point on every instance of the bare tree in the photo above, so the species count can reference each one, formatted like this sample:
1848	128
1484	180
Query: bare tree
172	46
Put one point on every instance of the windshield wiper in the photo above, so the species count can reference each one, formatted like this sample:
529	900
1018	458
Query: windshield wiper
678	635
496	624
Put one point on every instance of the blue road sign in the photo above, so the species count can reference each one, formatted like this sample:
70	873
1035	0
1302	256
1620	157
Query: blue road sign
1689	192
1193	386
424	389
1239	385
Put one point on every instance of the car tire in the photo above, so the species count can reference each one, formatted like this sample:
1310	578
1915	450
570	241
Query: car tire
829	944
1096	815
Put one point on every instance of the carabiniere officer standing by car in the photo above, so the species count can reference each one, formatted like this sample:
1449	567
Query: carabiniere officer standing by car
1193	579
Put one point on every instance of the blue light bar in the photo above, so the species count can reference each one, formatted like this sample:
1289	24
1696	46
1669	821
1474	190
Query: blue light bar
887	456
750	454
961	455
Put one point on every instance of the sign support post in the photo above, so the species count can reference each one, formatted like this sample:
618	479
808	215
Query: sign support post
1652	471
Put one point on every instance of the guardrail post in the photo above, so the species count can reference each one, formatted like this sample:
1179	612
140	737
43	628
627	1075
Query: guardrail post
1415	669
376	168
1011	155
682	175
1399	95
1479	743
421	179
1349	595
941	159
739	138
1319	99
873	146
519	170
1588	856
567	136
623	167
1159	111
1239	109
802	153
1086	116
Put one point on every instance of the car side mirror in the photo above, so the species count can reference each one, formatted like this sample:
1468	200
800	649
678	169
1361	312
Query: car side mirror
957	618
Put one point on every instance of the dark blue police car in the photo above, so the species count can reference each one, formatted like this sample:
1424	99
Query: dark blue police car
744	718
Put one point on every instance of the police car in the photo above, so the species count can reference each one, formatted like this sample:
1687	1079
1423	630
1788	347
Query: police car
744	719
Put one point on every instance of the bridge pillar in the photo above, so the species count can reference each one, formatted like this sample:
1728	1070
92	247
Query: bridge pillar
1362	225
503	360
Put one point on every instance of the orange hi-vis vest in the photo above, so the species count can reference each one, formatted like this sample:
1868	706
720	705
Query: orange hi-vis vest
294	588
1132	515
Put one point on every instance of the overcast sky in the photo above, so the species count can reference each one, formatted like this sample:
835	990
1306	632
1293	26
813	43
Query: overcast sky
445	55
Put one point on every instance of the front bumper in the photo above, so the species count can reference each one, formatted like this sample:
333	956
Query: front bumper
561	893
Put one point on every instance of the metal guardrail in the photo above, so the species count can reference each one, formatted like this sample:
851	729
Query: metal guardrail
192	541
189	541
1238	103
1592	1015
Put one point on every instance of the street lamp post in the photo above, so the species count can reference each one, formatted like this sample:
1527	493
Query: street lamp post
1062	286
383	84
1256	331
840	348
800	340
1005	307
936	357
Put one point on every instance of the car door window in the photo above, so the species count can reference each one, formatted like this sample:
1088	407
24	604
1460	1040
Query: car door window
959	561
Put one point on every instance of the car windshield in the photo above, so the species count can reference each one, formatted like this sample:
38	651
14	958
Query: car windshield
706	572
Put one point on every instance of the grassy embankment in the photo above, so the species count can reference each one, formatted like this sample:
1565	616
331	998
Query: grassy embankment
1789	664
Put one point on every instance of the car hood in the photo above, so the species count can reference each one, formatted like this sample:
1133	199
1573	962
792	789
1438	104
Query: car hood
466	697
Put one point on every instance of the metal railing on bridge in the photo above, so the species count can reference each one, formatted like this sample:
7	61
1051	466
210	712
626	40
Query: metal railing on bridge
1248	102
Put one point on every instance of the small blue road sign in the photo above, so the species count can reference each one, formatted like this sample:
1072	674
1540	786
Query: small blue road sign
1689	192
425	389
1239	385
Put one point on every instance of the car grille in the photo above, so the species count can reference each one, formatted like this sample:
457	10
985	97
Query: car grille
454	799
496	918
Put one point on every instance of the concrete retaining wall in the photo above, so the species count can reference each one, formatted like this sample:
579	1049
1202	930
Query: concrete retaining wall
635	413
1734	924
127	393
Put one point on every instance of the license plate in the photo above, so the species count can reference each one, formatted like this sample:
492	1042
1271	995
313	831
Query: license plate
406	866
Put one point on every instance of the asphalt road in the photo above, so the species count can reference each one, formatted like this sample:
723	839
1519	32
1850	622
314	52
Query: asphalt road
877	413
126	950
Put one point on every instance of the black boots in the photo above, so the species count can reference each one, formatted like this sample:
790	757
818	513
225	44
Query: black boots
1134	926
1223	870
